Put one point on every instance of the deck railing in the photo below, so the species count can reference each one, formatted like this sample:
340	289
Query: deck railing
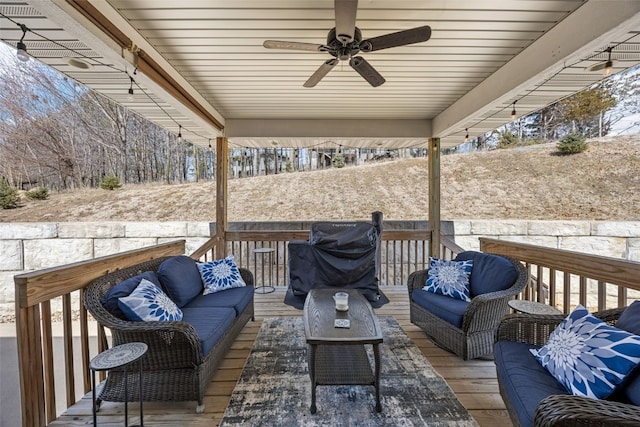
564	279
401	253
37	362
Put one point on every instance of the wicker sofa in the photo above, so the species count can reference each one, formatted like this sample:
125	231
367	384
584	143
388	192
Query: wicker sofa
183	355
533	397
468	328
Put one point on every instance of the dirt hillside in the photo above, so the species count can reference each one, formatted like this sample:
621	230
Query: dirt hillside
524	183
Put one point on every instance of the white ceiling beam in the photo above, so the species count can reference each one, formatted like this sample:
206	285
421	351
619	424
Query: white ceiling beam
331	128
595	23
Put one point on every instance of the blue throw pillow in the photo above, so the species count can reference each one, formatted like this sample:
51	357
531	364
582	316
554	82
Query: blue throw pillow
180	279
491	273
147	303
589	357
123	289
220	274
449	278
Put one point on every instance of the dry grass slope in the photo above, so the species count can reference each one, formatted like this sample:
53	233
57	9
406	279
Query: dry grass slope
525	183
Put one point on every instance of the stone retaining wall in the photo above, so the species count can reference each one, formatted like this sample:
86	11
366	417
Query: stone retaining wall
34	246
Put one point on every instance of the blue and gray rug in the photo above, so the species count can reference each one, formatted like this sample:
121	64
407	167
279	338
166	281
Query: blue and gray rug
274	388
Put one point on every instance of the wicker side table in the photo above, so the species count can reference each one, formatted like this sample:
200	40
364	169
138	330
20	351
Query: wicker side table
120	356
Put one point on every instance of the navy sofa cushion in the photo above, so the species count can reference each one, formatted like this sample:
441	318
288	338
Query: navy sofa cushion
123	289
449	309
180	279
630	321
524	380
490	273
210	324
238	298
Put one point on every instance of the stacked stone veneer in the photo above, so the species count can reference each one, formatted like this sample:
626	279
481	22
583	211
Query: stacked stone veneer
33	246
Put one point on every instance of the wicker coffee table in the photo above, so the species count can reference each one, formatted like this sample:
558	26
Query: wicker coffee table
337	356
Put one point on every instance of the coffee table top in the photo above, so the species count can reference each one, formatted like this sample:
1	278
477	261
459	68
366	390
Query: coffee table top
320	315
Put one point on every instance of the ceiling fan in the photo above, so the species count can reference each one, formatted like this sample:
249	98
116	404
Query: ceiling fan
344	42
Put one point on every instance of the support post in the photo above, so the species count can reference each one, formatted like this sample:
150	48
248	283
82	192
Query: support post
434	196
222	175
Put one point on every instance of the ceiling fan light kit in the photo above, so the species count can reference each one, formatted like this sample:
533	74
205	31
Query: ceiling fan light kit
344	42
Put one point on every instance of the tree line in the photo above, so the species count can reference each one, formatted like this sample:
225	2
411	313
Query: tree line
57	134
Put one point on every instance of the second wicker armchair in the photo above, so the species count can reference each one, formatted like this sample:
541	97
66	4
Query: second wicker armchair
467	328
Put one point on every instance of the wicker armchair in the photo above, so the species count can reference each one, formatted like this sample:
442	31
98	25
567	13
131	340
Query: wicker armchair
481	317
174	367
563	410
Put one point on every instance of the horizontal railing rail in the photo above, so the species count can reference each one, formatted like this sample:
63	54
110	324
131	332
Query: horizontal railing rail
401	253
37	363
564	279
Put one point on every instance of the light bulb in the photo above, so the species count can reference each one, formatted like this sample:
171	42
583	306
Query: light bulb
608	68
21	52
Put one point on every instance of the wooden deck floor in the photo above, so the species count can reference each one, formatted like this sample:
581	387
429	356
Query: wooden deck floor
474	382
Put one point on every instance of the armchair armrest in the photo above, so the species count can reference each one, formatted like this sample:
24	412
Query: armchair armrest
170	344
528	328
566	410
416	280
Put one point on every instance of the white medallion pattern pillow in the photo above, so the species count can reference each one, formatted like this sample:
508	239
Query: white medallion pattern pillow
450	278
220	274
589	357
148	303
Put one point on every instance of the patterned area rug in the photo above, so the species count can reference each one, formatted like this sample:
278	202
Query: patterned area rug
274	388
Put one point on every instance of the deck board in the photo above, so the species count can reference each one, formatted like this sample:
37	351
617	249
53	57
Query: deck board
474	382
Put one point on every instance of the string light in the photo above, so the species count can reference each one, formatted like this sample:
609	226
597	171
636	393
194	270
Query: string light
21	48
24	56
130	95
608	66
466	136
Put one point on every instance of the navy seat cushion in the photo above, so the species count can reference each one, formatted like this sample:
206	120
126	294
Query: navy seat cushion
524	380
210	324
449	309
180	279
630	321
490	273
123	289
238	298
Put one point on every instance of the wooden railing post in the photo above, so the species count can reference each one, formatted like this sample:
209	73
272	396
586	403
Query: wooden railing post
222	174
434	196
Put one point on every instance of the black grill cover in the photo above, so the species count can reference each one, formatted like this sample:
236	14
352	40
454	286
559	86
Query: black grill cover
338	255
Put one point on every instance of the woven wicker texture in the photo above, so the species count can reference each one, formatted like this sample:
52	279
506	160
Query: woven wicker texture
480	320
564	410
174	367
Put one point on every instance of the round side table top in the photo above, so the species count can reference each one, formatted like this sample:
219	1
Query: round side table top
532	307
262	250
118	356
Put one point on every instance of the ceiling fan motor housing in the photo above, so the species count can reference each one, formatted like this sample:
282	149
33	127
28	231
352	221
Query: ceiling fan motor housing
344	51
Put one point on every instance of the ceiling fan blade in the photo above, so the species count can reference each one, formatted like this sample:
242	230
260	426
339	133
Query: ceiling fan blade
321	72
401	38
279	44
345	19
365	69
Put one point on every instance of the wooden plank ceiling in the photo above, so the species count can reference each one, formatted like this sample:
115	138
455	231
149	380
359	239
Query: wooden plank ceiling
482	57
